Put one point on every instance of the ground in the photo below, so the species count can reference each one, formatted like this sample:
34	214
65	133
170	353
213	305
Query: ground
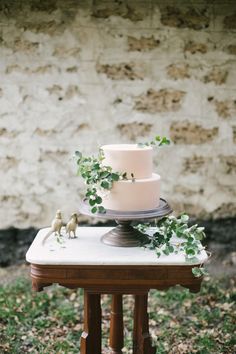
180	322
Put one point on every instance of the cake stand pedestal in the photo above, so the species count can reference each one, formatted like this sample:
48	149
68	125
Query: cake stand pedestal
124	234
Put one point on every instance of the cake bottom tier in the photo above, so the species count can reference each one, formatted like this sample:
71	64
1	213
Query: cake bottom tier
142	194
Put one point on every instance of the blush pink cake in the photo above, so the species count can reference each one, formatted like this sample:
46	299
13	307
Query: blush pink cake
137	193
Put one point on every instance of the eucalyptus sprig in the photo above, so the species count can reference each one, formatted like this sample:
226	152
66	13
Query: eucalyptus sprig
187	238
96	177
157	141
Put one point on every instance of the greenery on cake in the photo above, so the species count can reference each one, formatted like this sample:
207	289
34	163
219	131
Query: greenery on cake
157	141
98	177
187	239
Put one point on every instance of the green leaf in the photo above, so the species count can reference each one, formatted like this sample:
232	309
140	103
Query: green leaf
78	154
190	252
199	271
90	192
184	218
166	251
164	141
92	202
105	184
96	166
98	200
101	209
94	209
115	176
104	174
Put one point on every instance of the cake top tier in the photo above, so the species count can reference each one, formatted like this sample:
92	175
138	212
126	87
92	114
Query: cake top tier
130	158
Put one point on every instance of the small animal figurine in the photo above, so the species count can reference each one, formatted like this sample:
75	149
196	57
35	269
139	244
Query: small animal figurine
71	225
56	226
57	223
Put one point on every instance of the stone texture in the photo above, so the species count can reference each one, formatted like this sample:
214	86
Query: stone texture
190	133
234	134
230	21
44	27
231	49
45	5
22	45
64	52
123	71
196	19
228	163
105	10
223	108
178	71
77	75
195	47
195	164
228	209
216	75
142	44
132	131
226	108
159	101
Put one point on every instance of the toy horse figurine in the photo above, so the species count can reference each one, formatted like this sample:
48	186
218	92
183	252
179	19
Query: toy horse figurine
71	225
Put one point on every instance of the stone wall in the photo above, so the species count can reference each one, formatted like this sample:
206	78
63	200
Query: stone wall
79	74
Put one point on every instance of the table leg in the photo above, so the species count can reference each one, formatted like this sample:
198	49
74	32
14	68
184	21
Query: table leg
116	342
91	336
141	337
38	286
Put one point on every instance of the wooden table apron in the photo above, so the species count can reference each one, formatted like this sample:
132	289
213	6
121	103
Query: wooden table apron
116	280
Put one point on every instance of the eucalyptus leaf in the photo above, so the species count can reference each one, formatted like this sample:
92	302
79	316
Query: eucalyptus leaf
167	227
115	176
92	202
94	209
98	200
199	272
101	209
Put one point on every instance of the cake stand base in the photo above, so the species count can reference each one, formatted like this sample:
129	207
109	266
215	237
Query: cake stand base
124	235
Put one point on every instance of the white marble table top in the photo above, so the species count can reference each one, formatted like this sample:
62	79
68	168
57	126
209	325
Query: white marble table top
87	249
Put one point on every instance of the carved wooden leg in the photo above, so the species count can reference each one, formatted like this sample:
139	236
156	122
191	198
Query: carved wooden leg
116	329
141	337
91	336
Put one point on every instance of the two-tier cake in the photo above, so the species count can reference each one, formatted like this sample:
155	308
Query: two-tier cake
141	190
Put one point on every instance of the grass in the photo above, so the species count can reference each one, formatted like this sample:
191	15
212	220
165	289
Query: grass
180	322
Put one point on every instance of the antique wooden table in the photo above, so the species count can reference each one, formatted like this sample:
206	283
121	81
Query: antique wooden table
85	262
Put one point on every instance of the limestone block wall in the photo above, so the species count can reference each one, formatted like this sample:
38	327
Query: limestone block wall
80	74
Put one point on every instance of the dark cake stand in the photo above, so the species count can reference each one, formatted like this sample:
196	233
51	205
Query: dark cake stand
124	234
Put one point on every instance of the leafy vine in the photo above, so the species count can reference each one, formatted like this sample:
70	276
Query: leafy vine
186	239
96	177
